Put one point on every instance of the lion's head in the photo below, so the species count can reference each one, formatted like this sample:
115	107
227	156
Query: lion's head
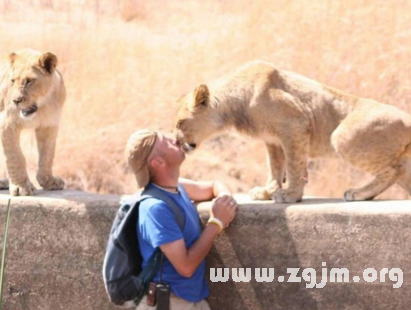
196	118
30	80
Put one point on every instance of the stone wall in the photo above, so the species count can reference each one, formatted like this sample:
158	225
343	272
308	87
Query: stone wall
57	242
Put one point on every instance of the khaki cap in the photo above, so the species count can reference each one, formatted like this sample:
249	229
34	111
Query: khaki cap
138	149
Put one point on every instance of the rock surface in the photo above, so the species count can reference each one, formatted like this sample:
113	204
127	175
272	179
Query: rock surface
57	242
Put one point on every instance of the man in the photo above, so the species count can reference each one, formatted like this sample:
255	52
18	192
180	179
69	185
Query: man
155	160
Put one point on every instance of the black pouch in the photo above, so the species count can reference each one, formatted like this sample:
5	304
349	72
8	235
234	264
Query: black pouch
163	290
163	296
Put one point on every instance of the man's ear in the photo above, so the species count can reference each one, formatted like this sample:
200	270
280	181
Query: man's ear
201	96
156	161
48	61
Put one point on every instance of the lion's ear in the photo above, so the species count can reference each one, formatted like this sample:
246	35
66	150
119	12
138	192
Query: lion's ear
201	96
12	58
48	61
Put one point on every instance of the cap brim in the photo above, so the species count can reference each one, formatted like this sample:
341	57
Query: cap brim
142	177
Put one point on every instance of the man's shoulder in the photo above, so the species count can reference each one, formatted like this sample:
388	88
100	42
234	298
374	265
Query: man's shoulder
152	203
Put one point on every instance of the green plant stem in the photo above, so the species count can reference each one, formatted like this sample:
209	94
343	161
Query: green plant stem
3	259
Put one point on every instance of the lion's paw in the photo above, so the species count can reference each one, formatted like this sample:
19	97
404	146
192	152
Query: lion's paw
24	189
349	195
50	182
287	196
355	195
259	193
4	184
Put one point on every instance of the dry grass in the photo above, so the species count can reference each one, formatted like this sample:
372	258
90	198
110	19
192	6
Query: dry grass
122	75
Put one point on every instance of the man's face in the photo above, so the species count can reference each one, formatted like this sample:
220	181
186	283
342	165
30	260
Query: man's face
168	148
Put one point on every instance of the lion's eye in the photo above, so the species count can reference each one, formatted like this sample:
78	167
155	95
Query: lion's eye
29	81
12	81
179	123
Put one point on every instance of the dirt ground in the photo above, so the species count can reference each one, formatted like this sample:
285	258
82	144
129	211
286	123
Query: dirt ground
125	62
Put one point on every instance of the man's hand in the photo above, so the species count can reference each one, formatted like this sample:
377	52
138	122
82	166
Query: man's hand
224	208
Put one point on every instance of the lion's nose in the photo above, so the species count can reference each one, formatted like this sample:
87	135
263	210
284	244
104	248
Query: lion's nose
18	100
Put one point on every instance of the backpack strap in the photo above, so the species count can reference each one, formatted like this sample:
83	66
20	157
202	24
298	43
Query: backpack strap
153	192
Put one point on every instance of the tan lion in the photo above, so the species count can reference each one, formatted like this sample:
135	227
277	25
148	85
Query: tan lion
296	118
32	95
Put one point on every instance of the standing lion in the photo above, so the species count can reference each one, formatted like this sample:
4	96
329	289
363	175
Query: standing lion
32	95
296	118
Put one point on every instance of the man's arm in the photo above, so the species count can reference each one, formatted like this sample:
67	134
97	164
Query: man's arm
186	260
204	190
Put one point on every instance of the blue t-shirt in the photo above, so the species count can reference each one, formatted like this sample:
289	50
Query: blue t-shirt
157	225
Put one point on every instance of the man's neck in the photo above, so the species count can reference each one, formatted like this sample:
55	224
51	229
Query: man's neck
168	180
170	189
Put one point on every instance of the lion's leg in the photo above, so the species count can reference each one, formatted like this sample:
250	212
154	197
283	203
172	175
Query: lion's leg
276	165
383	180
296	154
46	144
405	180
4	182
19	183
373	145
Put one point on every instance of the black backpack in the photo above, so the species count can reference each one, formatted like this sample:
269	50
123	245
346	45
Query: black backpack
125	281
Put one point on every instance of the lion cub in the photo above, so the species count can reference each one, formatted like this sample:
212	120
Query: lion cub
297	118
32	95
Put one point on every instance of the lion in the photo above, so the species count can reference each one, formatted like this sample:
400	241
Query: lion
298	118
32	95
